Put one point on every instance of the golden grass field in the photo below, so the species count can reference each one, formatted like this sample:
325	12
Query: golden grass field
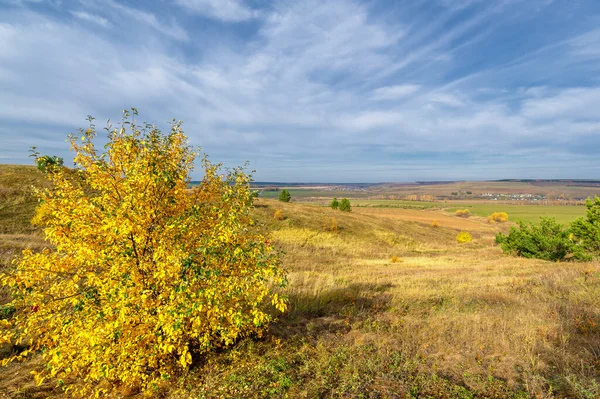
445	320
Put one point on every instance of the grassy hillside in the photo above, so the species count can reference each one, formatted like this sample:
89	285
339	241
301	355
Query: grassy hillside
445	320
16	199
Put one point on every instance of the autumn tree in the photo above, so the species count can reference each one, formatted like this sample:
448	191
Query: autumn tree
141	274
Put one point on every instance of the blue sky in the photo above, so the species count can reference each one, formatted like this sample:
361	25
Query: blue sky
328	91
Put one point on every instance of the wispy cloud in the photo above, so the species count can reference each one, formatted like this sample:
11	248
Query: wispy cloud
315	90
394	92
95	19
225	10
172	29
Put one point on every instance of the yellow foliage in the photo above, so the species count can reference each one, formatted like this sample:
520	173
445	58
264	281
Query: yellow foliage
499	217
462	213
144	274
278	215
463	237
332	225
435	224
395	259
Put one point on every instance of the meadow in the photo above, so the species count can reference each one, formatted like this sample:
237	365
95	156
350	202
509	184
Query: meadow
525	213
384	305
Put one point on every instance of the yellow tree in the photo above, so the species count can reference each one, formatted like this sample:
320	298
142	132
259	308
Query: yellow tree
142	274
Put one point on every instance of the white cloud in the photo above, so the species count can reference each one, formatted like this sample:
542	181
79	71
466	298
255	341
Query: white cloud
95	19
572	103
394	92
225	10
310	82
173	30
448	99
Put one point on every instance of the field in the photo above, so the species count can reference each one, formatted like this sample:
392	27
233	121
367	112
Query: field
387	306
526	213
315	194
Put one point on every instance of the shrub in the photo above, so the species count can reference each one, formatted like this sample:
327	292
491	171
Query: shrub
278	215
344	205
462	213
285	196
145	275
499	217
463	237
548	240
435	224
395	259
587	230
334	204
332	225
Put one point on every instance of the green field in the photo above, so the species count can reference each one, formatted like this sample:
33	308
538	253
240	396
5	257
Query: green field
300	193
402	204
526	213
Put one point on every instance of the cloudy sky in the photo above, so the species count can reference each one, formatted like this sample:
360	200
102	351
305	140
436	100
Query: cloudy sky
328	91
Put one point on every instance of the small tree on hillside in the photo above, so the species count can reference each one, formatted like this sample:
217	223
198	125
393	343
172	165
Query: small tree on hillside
344	205
142	274
284	196
587	230
547	240
334	204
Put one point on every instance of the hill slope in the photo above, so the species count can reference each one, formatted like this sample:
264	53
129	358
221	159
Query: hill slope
441	320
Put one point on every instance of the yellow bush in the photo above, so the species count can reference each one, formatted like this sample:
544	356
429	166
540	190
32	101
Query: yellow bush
463	237
278	215
435	224
499	217
395	259
462	213
332	225
145	274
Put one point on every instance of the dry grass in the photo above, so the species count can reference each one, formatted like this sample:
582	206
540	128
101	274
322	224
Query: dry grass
448	321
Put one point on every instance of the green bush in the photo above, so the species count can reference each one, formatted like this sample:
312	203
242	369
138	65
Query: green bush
587	230
549	241
334	204
284	196
344	205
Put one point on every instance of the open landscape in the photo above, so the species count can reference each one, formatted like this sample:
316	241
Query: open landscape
384	305
354	199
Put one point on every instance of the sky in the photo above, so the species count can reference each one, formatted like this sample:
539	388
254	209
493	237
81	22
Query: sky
317	91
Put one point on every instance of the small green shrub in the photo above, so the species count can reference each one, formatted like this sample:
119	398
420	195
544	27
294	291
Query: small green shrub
334	204
463	237
344	205
549	241
285	196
